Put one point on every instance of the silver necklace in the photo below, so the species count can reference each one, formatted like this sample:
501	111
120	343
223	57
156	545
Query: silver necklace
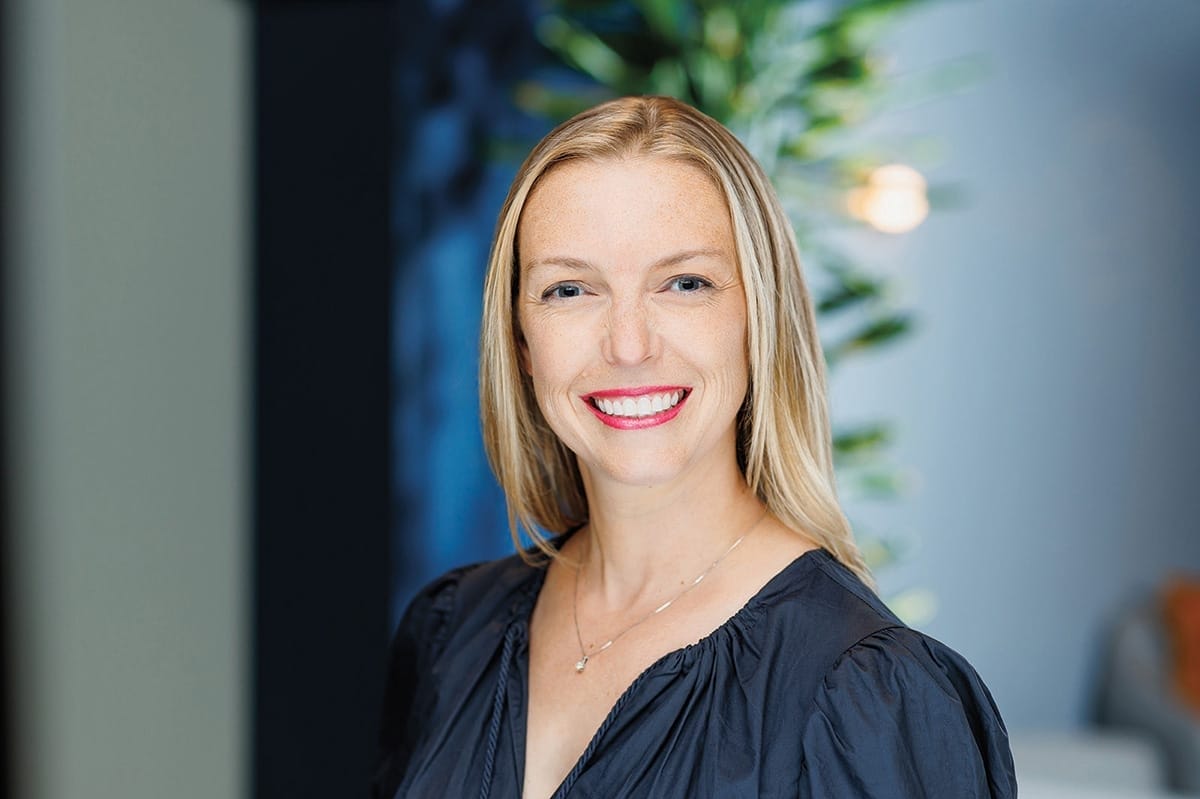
584	657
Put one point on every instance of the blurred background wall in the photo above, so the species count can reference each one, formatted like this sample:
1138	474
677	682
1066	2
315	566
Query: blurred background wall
1042	406
1047	403
125	314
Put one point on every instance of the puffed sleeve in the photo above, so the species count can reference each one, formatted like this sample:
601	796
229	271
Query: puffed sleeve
901	716
418	639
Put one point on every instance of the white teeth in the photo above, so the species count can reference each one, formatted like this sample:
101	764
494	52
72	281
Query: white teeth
645	405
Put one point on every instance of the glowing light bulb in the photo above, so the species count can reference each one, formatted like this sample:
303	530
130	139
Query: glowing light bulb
893	199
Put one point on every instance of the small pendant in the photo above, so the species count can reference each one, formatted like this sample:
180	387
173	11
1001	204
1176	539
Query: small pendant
581	664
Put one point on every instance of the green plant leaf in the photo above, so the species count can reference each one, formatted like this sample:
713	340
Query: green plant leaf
862	441
876	333
582	49
850	291
877	483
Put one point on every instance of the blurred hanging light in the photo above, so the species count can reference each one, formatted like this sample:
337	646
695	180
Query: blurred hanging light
893	199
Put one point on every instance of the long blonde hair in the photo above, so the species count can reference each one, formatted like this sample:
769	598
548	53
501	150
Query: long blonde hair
784	448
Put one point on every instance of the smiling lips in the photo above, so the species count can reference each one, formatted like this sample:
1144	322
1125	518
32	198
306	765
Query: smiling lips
637	408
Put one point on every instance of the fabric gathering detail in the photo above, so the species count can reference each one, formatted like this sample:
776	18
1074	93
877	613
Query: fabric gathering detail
812	689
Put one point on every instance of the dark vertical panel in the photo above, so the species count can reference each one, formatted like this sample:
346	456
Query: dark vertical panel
322	280
6	787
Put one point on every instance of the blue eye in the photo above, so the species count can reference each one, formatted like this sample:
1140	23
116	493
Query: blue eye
563	291
688	284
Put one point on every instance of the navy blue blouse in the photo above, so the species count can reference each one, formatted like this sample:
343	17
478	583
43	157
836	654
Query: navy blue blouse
812	689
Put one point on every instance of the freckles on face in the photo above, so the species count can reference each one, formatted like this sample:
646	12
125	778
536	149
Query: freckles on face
632	315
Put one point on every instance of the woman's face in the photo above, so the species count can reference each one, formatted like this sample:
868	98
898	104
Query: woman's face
633	318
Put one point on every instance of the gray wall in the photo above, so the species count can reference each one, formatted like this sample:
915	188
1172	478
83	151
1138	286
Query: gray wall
1047	407
126	315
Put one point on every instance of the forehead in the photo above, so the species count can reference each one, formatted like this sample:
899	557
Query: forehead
620	207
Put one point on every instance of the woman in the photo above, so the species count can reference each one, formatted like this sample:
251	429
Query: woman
652	390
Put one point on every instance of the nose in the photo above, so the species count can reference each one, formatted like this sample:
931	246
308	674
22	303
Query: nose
630	338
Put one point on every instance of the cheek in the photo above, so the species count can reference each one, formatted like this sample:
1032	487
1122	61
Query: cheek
735	347
546	356
532	349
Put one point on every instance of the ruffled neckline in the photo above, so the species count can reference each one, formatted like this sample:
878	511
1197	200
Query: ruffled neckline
675	662
744	619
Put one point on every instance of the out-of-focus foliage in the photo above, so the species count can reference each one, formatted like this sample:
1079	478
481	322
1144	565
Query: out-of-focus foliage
792	78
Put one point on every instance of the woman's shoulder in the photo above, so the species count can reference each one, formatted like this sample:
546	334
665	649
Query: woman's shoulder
467	598
479	591
481	578
891	705
838	614
819	604
859	637
901	714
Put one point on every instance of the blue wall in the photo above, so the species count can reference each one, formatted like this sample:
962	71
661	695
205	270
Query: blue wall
1049	402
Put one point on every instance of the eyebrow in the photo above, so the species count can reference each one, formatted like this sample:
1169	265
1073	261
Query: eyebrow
669	260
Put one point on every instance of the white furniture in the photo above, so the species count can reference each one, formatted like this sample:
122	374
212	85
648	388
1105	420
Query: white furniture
1089	765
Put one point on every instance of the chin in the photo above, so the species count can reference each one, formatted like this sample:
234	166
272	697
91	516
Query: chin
646	472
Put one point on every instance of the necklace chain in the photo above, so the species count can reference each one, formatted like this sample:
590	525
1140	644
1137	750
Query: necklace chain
584	657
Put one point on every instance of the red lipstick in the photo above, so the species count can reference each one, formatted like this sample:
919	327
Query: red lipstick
636	422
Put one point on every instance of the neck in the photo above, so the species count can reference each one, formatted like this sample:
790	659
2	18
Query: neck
645	541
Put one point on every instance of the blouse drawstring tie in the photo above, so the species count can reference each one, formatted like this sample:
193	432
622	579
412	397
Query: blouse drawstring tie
493	735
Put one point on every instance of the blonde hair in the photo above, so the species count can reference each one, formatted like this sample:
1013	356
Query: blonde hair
784	448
